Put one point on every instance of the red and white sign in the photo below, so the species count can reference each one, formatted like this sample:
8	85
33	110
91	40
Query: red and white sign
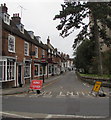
36	84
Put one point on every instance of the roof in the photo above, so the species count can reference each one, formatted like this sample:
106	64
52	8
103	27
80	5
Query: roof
12	28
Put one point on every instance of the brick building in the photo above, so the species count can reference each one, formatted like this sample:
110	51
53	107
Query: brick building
22	52
24	56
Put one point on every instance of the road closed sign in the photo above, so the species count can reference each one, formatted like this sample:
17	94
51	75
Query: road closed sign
36	84
97	86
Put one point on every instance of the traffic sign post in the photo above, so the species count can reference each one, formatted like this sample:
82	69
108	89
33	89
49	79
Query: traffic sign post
97	87
36	85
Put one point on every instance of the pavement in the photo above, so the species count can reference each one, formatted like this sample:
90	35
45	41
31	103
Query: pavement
25	88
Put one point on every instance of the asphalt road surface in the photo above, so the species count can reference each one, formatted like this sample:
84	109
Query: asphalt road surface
66	97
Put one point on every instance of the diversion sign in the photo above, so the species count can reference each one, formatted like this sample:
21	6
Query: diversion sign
97	86
36	84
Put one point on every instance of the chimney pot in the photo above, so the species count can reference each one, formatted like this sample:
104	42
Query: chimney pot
4	4
16	18
48	40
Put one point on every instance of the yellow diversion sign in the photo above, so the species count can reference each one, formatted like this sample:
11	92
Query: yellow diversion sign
97	86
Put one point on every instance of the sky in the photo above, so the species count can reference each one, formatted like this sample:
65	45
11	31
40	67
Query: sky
37	16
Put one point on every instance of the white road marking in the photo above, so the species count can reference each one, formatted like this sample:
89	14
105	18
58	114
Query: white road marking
70	93
47	94
77	116
61	94
48	117
20	116
78	93
56	115
83	93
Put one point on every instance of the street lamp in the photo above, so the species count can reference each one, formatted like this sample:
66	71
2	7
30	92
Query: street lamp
43	63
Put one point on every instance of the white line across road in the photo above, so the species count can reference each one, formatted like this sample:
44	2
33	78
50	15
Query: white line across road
49	116
14	115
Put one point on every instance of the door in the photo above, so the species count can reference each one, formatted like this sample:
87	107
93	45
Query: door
20	75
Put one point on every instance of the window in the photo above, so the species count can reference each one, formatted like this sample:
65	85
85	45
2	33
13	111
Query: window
7	70
36	52
26	48
11	43
31	33
43	53
6	19
27	70
21	27
10	70
44	70
36	70
41	70
2	70
50	69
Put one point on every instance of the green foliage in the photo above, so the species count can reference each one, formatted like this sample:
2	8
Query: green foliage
106	58
84	55
73	14
96	76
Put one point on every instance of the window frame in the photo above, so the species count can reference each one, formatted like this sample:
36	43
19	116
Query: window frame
27	48
27	66
36	52
12	38
6	18
5	71
38	70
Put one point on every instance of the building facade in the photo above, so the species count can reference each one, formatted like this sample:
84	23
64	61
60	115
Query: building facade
24	56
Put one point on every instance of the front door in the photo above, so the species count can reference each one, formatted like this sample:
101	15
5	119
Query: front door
20	75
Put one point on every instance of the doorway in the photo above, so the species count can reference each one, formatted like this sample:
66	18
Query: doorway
20	75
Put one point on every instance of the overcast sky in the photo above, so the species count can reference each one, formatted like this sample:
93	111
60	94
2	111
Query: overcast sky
37	16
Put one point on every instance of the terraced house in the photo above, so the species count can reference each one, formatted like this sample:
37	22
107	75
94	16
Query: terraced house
22	52
24	56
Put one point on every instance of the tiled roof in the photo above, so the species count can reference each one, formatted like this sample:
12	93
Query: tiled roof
12	28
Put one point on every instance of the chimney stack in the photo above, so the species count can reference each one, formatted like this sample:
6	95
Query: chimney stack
48	40
16	19
4	8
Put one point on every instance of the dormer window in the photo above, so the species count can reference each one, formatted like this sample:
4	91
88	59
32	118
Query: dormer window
31	33
6	18
21	28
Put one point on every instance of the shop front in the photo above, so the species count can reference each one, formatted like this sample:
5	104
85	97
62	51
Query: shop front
7	72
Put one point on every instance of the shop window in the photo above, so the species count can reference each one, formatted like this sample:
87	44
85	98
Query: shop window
11	43
44	70
10	70
41	70
36	70
7	70
27	70
2	71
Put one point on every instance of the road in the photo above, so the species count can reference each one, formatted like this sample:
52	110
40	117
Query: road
65	97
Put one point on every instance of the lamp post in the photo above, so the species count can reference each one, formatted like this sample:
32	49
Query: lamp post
43	63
